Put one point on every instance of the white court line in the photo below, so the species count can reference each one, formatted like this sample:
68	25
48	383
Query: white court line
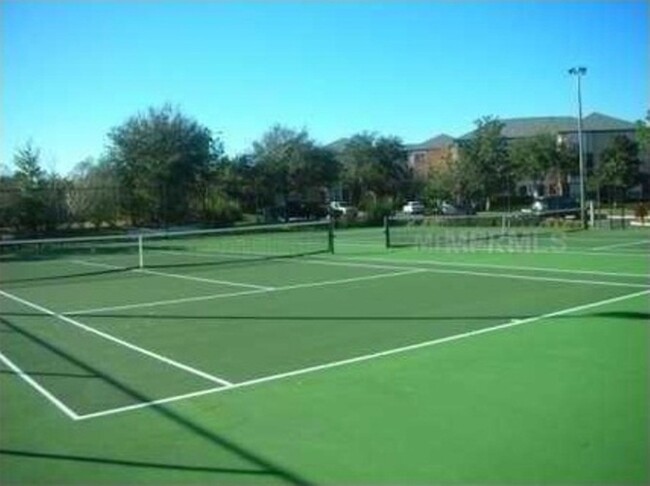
202	279
405	270
171	275
616	245
486	274
473	249
504	267
34	384
367	357
155	303
151	354
245	292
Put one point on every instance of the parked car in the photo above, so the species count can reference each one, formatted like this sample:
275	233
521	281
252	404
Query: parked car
562	204
455	210
338	208
413	207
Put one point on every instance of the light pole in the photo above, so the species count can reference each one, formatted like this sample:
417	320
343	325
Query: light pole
578	72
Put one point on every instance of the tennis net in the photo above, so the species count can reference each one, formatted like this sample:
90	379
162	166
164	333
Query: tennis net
444	230
100	254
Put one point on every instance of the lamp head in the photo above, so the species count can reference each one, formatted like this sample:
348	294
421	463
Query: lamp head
579	70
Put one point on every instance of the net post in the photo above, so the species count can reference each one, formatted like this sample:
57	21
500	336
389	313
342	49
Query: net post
592	216
140	252
386	231
330	236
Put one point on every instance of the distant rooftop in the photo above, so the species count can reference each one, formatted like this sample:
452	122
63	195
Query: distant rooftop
530	126
439	141
338	145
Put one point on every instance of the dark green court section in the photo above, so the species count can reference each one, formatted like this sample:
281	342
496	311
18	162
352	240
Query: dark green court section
86	371
562	401
257	335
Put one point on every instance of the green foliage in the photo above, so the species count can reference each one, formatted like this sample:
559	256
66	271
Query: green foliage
643	133
619	167
162	158
541	158
94	193
443	184
32	200
378	208
288	165
375	164
533	157
484	161
30	182
220	209
9	196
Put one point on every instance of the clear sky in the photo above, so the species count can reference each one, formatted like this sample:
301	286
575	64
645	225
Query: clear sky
72	70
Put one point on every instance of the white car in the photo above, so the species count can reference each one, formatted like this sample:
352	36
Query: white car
413	207
339	208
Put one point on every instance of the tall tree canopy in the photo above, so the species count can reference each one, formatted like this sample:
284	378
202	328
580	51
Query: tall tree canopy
484	160
162	158
619	167
375	166
541	158
290	166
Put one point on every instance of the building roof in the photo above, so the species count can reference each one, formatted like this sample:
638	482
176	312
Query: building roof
599	122
337	146
531	126
439	141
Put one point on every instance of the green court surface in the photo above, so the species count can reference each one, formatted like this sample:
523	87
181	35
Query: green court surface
443	363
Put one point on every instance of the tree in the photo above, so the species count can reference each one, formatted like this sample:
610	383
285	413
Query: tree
94	193
532	158
619	167
484	160
162	159
30	183
643	133
289	166
540	158
374	168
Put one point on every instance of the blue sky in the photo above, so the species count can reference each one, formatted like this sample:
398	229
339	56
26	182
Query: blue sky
72	70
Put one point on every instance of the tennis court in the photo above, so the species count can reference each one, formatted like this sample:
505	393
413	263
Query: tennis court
265	357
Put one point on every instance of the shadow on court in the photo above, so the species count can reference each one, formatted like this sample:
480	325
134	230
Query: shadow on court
120	462
644	316
261	466
319	318
306	318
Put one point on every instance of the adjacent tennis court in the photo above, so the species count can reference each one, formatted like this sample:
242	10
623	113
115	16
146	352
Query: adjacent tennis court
299	355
